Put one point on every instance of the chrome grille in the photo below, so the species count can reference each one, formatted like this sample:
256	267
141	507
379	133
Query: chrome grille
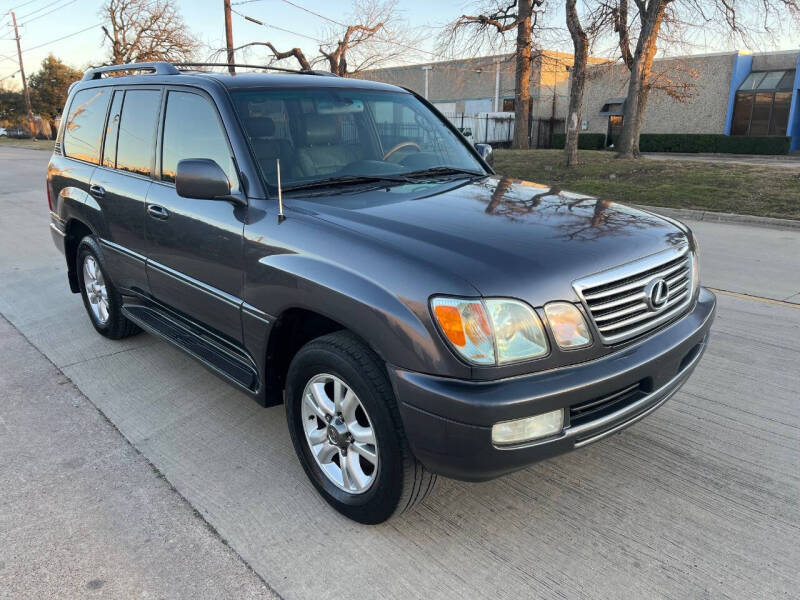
617	300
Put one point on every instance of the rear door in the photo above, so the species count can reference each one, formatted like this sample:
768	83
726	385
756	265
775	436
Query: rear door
75	160
195	246
120	185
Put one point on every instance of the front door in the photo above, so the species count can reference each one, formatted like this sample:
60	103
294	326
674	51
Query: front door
195	246
614	130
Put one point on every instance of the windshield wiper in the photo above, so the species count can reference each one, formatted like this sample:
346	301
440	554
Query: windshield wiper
348	180
433	171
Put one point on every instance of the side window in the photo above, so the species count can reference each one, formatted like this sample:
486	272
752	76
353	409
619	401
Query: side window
137	130
110	146
192	130
84	128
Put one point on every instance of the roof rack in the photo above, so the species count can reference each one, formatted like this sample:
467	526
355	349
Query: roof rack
157	68
264	67
167	68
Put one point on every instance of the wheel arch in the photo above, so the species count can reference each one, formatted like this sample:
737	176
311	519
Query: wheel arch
75	230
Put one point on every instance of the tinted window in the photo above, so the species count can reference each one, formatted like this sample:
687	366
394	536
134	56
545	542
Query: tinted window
780	113
787	81
137	130
84	128
112	128
741	114
192	130
759	122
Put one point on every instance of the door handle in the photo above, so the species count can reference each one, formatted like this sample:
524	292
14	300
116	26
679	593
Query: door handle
97	191
157	212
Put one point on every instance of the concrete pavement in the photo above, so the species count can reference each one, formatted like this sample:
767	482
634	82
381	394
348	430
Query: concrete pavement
700	500
83	513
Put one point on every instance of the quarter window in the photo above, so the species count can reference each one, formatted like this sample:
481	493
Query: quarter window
192	130
84	129
137	130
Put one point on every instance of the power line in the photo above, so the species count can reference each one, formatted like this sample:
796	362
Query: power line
257	22
33	12
69	35
340	24
21	5
48	12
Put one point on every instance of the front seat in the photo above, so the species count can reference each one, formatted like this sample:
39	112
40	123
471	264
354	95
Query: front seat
268	148
323	152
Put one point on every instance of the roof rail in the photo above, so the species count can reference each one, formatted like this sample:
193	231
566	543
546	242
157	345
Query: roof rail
157	68
264	67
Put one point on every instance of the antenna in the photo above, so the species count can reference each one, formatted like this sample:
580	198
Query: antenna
281	216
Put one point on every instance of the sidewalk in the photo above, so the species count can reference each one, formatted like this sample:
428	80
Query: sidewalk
782	161
83	514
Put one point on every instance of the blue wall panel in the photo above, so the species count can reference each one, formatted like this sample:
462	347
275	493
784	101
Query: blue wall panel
742	65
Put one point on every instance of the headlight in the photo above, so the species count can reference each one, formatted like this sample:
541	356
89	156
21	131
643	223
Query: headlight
491	331
568	325
518	331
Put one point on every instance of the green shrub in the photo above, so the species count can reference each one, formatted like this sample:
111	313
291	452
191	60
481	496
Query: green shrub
586	141
713	143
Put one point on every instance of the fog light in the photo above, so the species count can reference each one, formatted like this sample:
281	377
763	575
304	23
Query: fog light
530	428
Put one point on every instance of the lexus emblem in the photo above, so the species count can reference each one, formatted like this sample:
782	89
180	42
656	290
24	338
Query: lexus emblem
655	294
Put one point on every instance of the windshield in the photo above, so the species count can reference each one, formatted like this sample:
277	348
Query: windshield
347	135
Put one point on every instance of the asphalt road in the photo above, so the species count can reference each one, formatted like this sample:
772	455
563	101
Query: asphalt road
700	500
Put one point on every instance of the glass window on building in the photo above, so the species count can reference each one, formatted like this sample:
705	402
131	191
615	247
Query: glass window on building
762	104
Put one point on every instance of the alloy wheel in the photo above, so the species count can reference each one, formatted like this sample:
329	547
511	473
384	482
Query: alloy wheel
339	433
96	291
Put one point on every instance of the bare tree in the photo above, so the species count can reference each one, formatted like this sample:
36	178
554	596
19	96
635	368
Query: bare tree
580	44
747	20
145	30
373	35
597	19
497	19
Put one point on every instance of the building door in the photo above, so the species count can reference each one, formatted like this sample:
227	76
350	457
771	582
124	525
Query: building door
614	130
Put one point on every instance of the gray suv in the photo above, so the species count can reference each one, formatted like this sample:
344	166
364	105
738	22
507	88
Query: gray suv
337	246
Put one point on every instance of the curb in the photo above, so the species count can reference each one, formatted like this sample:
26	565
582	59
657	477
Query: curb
721	217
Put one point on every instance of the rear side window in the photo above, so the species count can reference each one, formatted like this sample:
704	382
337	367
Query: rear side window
112	128
192	130
137	129
84	129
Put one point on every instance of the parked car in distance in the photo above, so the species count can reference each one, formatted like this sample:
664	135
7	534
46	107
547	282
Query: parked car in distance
3	132
17	133
335	245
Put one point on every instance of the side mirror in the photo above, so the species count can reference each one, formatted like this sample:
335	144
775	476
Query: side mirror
202	178
486	152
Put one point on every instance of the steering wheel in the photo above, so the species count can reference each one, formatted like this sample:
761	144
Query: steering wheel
400	146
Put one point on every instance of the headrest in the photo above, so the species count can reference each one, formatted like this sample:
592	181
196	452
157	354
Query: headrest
321	130
261	127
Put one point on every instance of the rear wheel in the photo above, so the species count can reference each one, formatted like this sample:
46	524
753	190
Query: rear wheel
347	431
102	300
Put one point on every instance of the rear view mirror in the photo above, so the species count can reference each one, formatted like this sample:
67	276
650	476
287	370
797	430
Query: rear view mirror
202	178
486	152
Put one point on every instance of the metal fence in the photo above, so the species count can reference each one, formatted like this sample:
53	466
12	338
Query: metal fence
498	128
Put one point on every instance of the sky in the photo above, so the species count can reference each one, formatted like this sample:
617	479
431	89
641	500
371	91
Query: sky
44	22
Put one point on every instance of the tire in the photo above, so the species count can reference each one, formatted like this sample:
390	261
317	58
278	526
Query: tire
397	482
109	322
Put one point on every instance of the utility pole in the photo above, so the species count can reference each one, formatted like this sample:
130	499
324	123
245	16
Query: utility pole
426	68
24	82
229	36
497	85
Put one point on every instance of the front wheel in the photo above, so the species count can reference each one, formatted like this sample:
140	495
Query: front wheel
347	431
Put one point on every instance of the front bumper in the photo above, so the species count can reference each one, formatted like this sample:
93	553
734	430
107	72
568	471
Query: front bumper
448	422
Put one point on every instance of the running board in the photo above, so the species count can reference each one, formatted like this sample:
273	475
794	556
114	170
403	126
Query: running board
212	355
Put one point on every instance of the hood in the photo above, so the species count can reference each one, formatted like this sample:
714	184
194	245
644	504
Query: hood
504	236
